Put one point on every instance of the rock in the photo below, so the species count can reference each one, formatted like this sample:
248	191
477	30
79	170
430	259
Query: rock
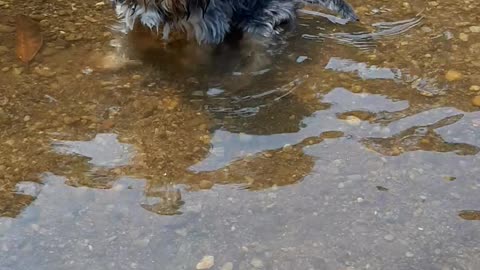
353	120
6	29
389	237
207	262
3	50
476	101
409	254
227	266
475	88
474	29
463	37
205	184
257	263
453	75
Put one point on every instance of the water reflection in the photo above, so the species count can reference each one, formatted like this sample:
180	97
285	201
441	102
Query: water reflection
165	153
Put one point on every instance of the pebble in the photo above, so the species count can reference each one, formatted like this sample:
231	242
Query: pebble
205	184
353	120
475	88
476	101
453	75
389	237
6	29
463	37
475	29
227	266
3	49
206	262
409	254
257	263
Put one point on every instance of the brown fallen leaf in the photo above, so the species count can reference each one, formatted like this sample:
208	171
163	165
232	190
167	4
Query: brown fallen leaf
470	214
29	38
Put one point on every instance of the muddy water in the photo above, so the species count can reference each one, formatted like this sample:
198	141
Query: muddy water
341	147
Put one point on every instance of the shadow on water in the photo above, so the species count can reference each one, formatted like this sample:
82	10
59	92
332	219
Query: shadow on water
326	151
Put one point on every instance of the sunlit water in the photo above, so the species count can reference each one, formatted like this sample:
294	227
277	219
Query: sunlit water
339	147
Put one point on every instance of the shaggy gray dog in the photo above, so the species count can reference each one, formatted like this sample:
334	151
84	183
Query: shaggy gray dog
208	21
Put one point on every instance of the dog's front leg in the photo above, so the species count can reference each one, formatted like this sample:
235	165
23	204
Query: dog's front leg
211	26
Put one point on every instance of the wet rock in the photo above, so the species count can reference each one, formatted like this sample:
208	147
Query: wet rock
207	262
257	263
453	75
6	29
205	184
73	37
463	37
476	101
475	88
353	120
474	29
227	266
3	49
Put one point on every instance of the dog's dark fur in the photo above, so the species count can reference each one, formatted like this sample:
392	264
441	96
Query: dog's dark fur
208	21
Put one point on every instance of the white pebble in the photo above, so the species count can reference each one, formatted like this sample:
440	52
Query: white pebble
206	262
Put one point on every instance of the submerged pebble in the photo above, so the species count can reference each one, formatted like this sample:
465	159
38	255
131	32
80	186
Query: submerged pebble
476	101
453	75
206	262
257	263
227	266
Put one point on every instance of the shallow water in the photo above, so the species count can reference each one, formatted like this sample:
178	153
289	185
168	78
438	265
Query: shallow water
341	147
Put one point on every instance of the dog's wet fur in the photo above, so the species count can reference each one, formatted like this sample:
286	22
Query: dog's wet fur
209	21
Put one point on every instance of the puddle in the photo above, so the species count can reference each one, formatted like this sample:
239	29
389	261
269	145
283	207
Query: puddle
341	146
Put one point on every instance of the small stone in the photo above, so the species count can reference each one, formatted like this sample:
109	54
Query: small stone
257	263
475	88
476	101
475	29
389	237
3	50
227	266
360	199
90	19
27	118
463	37
207	262
205	184
409	254
353	120
73	37
6	29
356	89
453	75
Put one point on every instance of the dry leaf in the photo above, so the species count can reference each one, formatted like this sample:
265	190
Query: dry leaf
29	38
